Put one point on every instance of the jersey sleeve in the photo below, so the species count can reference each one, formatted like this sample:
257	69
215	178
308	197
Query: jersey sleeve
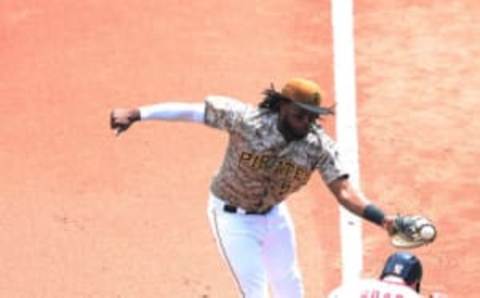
173	111
224	113
329	165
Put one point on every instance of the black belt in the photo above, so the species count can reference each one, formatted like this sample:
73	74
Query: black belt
233	209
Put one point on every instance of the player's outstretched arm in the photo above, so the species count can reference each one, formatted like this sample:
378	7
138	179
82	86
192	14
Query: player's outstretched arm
121	119
354	201
405	231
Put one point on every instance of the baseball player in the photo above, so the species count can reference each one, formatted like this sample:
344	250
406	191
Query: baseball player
400	278
273	149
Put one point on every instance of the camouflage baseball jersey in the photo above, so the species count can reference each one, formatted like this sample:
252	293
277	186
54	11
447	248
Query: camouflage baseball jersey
260	168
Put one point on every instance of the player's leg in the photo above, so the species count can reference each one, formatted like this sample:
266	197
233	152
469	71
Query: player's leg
238	239
280	255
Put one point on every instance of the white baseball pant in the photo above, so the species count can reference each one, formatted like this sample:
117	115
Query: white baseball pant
260	250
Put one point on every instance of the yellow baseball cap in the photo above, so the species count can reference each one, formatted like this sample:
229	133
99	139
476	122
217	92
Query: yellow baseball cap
305	94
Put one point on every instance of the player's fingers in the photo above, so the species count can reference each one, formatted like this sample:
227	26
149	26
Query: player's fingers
118	131
120	128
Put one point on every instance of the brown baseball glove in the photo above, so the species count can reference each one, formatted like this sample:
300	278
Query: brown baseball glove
410	231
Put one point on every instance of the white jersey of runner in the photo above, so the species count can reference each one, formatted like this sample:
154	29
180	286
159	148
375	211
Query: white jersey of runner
374	288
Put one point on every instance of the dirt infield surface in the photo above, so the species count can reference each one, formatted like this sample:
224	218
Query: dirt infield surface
85	214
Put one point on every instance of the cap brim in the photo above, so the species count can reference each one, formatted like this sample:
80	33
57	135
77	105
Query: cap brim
313	109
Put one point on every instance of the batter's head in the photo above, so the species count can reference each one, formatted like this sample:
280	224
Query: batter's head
406	266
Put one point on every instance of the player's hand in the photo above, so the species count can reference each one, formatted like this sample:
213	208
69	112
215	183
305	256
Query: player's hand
121	119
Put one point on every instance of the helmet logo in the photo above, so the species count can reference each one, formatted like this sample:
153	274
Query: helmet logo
398	269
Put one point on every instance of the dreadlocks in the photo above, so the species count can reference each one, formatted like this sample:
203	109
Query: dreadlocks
272	99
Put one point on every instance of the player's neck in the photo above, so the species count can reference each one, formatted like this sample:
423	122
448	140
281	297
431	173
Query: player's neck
289	137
